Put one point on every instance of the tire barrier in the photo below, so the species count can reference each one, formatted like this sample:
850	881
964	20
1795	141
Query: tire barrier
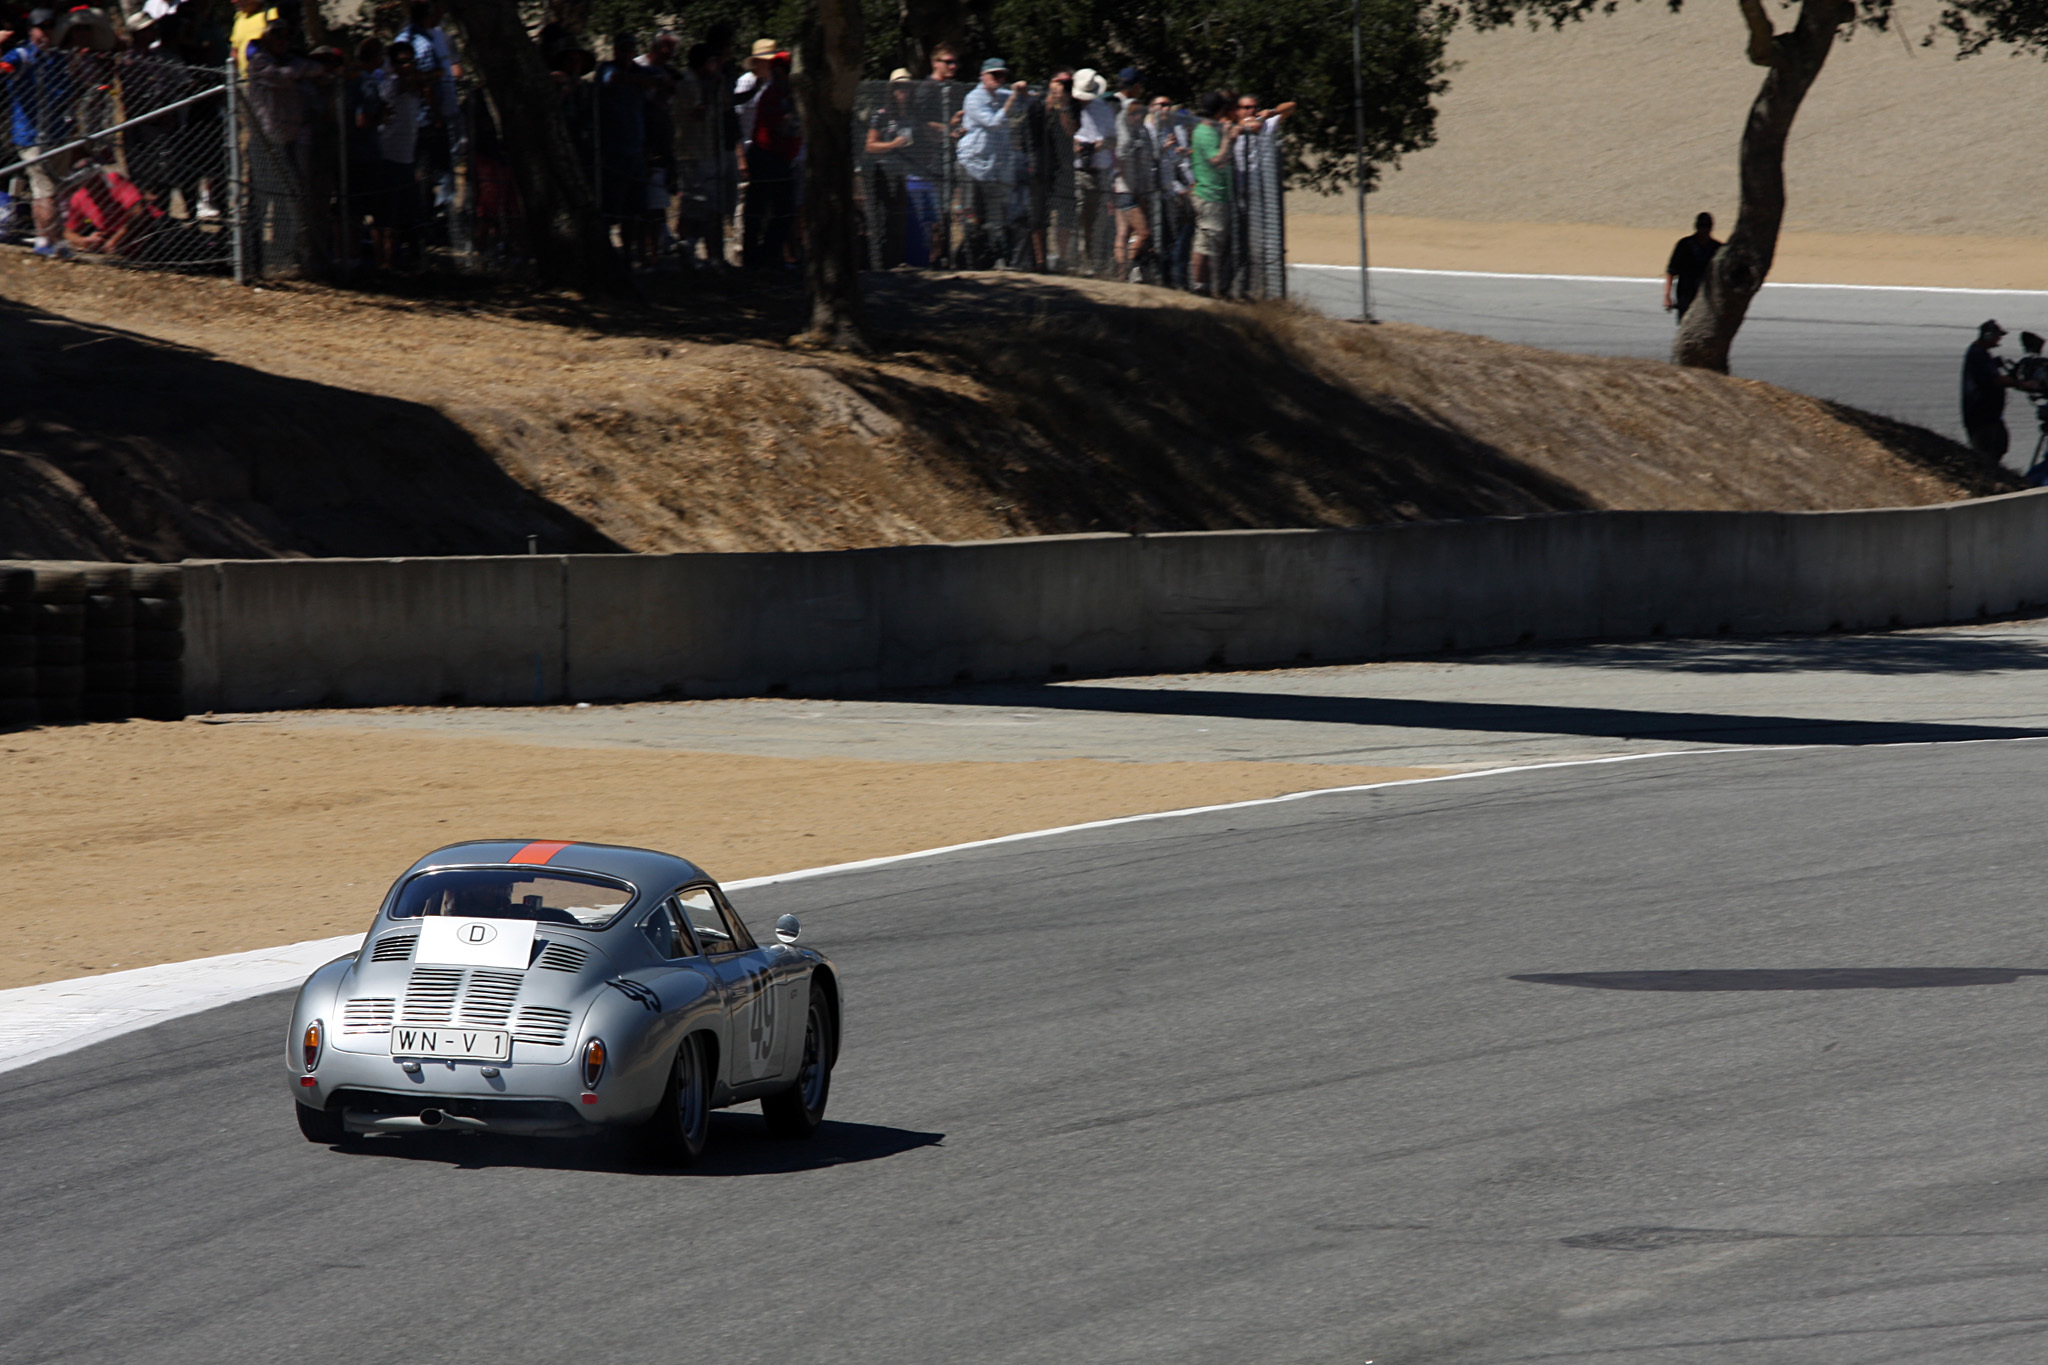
83	641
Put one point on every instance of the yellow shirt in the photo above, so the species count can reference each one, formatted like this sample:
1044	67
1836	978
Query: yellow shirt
248	28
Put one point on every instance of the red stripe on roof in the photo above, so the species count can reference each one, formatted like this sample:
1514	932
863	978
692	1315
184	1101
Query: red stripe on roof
538	852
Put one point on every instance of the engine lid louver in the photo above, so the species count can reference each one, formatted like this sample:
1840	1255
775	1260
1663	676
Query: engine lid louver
470	998
562	957
368	1014
488	1001
430	995
394	948
542	1025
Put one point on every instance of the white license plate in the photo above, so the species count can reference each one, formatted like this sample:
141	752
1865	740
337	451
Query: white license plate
477	1044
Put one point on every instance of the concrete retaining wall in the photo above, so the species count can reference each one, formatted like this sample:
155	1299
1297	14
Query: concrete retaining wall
267	634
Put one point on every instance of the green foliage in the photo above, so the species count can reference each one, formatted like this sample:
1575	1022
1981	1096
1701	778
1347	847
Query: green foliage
1296	50
1279	50
1978	24
751	19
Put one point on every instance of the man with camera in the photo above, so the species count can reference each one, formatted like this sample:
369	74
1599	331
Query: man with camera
1985	381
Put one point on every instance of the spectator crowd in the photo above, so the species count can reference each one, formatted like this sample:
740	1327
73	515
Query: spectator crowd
1084	176
358	152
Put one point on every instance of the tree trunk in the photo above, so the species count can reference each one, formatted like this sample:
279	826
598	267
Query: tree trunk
827	73
563	228
1794	57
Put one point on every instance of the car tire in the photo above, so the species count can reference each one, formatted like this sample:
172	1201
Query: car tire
797	1111
681	1127
323	1126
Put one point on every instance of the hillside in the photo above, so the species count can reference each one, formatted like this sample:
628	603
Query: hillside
158	418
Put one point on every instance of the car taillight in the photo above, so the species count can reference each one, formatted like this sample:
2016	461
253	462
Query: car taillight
593	1062
312	1044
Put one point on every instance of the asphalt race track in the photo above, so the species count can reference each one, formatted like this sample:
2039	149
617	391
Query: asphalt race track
1729	1057
1898	352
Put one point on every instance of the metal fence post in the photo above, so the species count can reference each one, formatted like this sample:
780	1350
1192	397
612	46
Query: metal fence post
234	186
344	234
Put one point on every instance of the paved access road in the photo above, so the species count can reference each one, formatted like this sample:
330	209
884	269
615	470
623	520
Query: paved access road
1720	1057
1532	704
1898	352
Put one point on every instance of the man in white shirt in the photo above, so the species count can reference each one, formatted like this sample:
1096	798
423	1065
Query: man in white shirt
1094	168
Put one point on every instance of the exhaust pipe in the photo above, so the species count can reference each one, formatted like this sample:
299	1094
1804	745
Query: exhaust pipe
431	1118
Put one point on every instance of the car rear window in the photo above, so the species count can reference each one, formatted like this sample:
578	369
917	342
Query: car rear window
507	893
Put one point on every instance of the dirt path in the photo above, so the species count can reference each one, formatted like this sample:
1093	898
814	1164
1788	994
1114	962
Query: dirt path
1599	249
142	843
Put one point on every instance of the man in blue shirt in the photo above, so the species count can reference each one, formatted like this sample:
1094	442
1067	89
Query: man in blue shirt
39	79
998	200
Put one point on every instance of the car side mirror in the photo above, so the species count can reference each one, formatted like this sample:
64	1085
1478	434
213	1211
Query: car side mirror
787	928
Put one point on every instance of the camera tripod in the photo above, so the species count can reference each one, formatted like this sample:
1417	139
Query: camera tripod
2036	473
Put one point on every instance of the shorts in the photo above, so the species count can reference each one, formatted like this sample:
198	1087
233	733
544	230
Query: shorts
1126	201
44	176
1212	225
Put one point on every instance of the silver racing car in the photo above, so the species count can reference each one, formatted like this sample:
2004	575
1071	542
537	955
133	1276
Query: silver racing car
555	989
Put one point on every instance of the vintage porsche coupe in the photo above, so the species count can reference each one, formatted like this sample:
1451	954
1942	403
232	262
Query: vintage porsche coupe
556	989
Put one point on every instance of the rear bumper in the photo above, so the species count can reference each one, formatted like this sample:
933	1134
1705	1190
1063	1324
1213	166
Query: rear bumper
374	1112
376	1095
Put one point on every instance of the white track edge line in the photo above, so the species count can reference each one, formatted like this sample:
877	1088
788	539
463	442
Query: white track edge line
55	1017
1654	279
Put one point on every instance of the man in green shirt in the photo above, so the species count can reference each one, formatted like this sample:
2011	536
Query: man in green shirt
1211	145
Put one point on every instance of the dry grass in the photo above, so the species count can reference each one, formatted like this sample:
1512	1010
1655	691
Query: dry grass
159	417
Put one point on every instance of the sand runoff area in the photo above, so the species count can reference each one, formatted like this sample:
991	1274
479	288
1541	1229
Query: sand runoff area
142	843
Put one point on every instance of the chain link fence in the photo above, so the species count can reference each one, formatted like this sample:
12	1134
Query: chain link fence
129	167
956	180
149	162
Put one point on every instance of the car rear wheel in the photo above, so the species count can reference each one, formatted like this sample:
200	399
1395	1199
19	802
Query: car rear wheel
323	1126
797	1111
682	1125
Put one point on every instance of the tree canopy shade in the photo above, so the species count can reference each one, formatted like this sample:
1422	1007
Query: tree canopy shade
1279	50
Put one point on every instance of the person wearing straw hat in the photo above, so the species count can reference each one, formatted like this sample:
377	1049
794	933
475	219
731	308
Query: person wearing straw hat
1094	168
897	175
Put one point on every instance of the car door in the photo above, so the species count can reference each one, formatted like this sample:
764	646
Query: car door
667	930
749	1056
789	982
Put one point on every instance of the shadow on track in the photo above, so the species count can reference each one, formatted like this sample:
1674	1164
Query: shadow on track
1489	717
1880	653
1792	979
740	1145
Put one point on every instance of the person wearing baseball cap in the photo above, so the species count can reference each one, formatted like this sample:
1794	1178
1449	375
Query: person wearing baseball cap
1984	384
997	197
44	92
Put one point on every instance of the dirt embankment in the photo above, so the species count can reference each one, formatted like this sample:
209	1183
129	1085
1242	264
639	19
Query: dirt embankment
157	418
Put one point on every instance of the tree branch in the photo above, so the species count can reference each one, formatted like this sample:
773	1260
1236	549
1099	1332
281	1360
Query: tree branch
1761	50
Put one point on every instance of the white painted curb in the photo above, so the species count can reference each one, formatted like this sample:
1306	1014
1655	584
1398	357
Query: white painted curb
62	1016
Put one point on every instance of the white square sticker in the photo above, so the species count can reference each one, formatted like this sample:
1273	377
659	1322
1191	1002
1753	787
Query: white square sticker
476	942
